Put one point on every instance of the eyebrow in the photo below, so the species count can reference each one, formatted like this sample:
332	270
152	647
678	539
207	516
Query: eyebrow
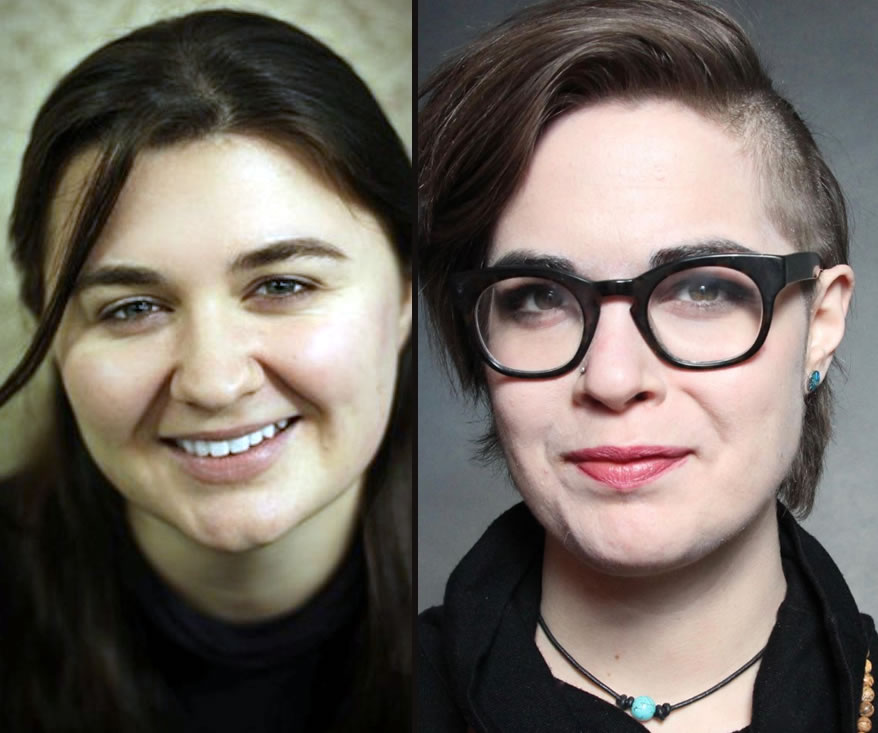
529	258
285	250
556	263
281	251
693	249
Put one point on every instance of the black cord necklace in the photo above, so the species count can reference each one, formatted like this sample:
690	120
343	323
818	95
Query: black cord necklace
643	707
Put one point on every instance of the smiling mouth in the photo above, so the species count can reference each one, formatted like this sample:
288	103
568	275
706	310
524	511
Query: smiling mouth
630	474
232	446
628	468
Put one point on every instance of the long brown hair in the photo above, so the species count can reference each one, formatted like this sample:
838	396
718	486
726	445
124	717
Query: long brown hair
70	663
486	108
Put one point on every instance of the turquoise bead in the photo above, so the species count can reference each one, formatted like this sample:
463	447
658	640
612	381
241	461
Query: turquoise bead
643	707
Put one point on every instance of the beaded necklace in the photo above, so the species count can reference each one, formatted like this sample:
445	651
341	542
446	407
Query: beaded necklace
644	708
864	723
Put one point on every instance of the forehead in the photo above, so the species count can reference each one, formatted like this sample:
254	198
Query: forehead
613	183
211	197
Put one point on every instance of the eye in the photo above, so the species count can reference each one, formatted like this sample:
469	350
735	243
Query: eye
282	287
707	286
132	310
710	290
535	297
703	291
527	303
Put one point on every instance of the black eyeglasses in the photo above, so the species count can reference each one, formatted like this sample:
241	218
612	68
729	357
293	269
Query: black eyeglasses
701	312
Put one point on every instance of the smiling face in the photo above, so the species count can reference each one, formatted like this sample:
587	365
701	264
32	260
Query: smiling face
231	352
609	188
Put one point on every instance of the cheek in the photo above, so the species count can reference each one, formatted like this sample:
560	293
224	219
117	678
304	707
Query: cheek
751	406
348	363
111	389
772	407
758	405
527	413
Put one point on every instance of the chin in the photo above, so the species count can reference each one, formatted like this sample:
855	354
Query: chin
236	541
240	531
634	544
638	564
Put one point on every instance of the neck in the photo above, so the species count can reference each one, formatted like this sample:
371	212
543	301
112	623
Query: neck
672	635
259	583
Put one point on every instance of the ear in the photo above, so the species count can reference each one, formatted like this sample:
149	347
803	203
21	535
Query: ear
832	298
405	313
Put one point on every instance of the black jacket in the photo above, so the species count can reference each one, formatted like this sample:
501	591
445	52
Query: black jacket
479	667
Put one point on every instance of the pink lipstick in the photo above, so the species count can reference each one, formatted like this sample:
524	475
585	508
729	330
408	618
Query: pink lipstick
627	468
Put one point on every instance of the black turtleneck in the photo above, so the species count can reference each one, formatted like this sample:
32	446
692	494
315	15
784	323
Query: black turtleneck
289	674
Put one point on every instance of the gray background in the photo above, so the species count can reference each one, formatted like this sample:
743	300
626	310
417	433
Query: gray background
823	55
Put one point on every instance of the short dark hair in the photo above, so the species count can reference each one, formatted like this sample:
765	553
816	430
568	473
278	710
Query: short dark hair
174	81
486	108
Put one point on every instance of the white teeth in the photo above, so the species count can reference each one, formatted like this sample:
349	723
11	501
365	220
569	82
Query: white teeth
239	445
221	448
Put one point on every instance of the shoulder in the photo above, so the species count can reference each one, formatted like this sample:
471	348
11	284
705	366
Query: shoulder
869	625
452	638
11	550
437	711
10	523
18	535
12	526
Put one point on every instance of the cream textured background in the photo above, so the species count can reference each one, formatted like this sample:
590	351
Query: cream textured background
43	39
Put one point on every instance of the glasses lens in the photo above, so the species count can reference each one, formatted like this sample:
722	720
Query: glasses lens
706	314
530	324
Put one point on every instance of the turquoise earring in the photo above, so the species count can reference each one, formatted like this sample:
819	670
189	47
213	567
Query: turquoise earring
813	381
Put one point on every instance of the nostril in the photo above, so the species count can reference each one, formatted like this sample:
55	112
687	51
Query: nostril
641	397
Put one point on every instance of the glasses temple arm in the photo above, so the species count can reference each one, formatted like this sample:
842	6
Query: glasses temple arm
802	266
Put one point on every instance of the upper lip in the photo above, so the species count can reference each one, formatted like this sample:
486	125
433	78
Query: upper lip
625	454
235	432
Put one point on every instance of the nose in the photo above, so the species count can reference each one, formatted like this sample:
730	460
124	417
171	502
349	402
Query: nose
620	369
216	363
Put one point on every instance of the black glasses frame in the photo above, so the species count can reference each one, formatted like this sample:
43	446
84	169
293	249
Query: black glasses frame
770	273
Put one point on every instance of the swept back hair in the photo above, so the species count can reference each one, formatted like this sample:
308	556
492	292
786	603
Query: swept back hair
485	109
73	664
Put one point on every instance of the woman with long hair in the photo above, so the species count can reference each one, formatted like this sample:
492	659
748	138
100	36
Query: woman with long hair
213	230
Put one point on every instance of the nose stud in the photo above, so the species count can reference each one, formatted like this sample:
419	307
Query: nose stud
582	370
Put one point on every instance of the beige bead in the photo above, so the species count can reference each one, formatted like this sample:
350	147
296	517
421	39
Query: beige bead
868	665
866	709
868	694
864	724
868	680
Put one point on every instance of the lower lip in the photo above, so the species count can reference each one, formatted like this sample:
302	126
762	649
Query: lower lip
629	475
235	467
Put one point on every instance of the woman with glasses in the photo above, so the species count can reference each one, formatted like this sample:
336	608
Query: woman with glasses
645	277
213	230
